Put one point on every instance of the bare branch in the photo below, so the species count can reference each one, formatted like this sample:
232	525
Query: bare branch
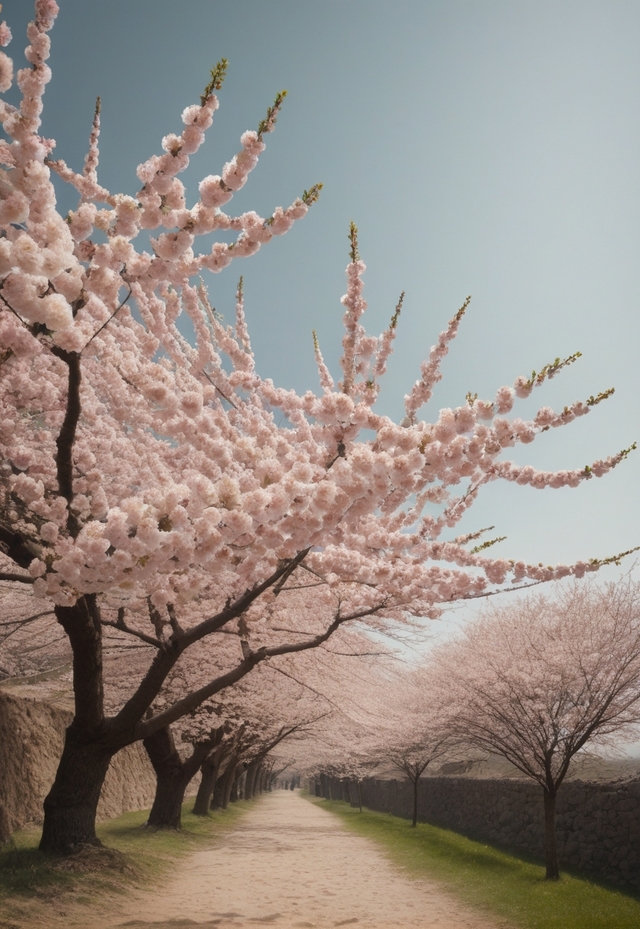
21	578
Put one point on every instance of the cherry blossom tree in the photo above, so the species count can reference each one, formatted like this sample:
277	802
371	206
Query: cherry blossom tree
539	680
418	736
166	490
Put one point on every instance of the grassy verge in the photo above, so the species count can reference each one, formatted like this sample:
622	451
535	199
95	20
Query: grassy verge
503	885
34	886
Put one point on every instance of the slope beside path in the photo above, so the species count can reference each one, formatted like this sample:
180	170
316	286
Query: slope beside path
291	865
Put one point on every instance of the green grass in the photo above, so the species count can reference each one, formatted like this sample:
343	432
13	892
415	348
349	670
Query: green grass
500	884
133	856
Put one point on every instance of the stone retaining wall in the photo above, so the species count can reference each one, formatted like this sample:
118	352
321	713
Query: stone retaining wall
598	824
31	739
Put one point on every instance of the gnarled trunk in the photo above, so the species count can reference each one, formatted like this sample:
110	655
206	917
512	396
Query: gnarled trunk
70	807
166	811
173	776
71	804
171	780
550	851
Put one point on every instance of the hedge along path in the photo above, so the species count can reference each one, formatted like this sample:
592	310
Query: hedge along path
292	865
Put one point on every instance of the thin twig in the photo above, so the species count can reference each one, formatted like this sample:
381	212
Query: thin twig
122	627
224	396
109	320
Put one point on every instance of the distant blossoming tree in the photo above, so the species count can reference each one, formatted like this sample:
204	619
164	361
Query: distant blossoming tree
539	680
168	491
418	735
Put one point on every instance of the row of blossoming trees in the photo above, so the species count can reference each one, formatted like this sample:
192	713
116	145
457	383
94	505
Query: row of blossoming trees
535	682
168	493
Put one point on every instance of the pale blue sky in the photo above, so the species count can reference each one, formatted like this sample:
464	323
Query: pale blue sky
488	148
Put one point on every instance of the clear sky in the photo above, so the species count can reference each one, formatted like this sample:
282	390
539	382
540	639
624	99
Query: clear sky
483	147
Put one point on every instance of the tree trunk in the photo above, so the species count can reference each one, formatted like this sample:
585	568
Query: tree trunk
171	782
233	796
228	781
90	742
166	812
250	783
70	807
209	770
359	797
173	776
414	821
217	800
550	852
202	803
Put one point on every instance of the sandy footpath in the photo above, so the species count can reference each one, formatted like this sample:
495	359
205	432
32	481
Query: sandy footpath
292	865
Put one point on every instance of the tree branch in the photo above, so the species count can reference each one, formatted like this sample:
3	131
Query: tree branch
67	436
21	578
240	605
117	310
122	627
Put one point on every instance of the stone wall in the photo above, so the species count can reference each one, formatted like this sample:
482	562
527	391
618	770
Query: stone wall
31	739
598	824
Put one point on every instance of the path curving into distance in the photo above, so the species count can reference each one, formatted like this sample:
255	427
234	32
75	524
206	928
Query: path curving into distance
292	865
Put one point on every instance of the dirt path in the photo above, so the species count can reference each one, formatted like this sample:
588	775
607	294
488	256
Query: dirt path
291	865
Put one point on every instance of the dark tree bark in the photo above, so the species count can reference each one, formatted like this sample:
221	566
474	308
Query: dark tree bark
250	783
550	850
173	776
233	796
71	805
228	780
260	774
240	784
209	770
217	800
